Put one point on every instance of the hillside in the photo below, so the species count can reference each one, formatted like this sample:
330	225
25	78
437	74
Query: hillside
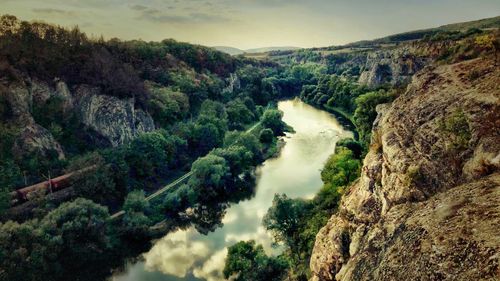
407	210
229	50
235	51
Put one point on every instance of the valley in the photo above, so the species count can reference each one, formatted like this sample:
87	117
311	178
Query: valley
172	161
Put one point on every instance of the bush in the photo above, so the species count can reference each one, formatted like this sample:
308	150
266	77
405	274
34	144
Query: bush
266	136
457	128
365	112
341	168
247	261
271	119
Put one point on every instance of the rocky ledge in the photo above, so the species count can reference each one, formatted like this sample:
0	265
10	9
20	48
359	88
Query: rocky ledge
427	205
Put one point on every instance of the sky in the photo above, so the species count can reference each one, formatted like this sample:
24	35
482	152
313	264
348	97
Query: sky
251	23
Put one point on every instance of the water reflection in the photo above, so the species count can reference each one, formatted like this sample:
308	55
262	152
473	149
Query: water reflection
188	255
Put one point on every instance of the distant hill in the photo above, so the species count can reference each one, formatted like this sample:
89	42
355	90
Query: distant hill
270	49
488	23
229	50
235	51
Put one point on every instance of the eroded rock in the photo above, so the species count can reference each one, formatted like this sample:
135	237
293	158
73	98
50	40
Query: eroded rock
426	206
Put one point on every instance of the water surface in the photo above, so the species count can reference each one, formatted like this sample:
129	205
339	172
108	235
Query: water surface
187	255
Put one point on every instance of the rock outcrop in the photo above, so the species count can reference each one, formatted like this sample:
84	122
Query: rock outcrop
427	205
117	120
32	138
395	67
110	120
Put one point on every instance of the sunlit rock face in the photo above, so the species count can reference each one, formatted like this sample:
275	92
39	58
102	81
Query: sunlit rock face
31	138
116	120
427	205
110	120
394	67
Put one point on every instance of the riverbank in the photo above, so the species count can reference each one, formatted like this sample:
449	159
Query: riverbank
187	254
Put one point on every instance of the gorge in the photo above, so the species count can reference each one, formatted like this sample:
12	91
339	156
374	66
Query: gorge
375	160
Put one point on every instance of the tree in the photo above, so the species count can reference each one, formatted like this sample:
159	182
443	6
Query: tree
248	262
9	174
283	219
272	119
341	168
150	154
238	158
135	220
69	240
365	113
238	114
266	136
98	184
209	175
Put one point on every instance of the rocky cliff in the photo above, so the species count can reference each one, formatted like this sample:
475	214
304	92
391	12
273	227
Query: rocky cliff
395	66
427	205
116	120
112	120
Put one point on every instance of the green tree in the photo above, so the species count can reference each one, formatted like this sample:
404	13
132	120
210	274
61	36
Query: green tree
341	168
272	119
136	208
266	136
9	175
248	262
365	113
283	219
150	154
238	114
70	242
209	175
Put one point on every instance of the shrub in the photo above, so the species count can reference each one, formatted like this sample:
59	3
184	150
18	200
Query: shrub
266	136
457	128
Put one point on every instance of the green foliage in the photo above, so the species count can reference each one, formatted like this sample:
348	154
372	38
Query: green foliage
150	154
238	114
355	146
457	128
284	217
341	168
9	175
167	106
238	157
266	136
249	262
295	222
99	184
365	113
71	239
136	208
271	119
209	176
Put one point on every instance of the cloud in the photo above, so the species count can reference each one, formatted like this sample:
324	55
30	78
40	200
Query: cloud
138	7
175	254
212	268
155	15
52	11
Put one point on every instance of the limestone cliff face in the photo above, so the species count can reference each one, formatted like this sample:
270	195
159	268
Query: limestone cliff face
427	205
394	67
117	120
32	137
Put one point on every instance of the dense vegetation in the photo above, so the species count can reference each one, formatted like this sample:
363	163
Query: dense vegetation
220	135
294	223
217	134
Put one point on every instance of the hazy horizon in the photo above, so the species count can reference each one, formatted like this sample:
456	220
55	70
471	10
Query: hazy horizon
247	24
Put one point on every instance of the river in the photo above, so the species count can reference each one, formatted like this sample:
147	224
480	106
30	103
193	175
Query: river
187	255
